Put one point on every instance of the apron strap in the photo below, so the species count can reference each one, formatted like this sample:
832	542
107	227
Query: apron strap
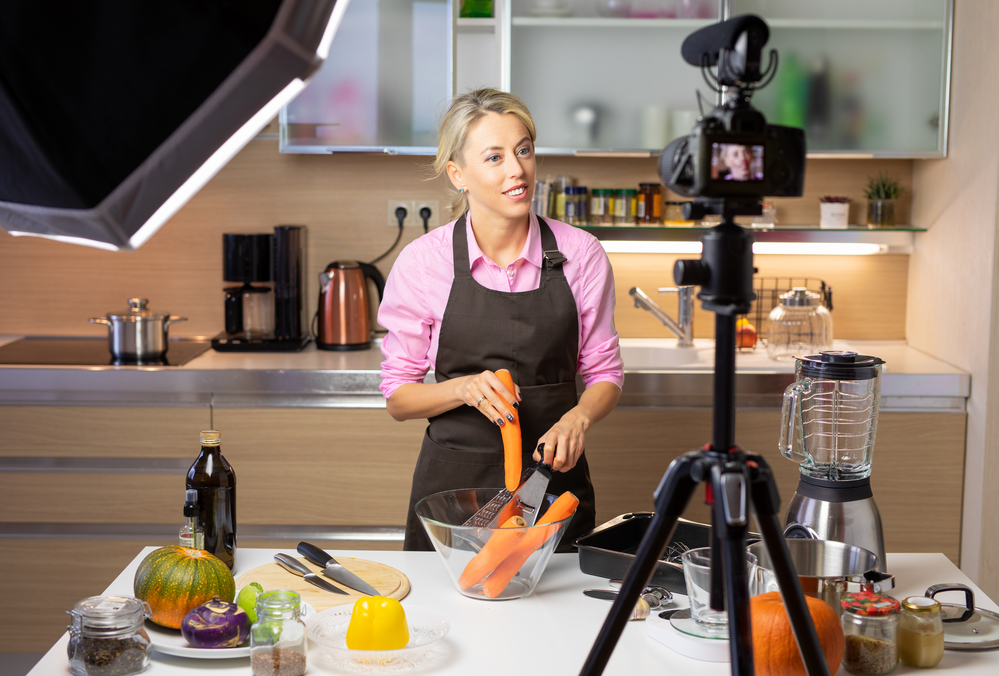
553	258
462	268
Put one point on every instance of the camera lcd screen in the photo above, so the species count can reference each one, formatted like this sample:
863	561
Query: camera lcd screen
736	162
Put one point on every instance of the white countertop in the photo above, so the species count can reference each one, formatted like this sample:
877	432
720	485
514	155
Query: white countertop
550	632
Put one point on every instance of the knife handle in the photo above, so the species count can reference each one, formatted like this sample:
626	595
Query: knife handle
313	553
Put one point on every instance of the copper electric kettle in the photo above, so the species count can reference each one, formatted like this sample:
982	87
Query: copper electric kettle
344	314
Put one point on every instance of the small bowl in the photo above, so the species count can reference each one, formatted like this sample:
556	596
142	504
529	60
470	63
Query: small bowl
442	515
328	630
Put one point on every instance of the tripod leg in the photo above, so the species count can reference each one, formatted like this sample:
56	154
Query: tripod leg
766	502
731	510
672	496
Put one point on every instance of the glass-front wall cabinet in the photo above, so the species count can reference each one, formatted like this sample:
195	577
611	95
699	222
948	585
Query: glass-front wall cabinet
862	77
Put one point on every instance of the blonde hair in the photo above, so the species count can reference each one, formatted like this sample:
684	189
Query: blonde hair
461	117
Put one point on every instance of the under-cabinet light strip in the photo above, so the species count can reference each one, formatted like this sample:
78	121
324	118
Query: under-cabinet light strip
761	248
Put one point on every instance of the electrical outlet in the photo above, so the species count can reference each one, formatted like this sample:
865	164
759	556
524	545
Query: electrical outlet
435	210
411	216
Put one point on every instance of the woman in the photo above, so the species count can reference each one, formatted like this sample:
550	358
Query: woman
499	288
739	160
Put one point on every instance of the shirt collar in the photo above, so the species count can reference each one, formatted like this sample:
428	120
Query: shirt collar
531	252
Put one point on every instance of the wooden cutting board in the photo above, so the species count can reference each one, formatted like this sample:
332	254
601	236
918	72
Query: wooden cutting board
388	581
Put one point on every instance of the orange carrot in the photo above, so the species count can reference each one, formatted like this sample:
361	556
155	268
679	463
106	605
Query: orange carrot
499	546
563	507
512	443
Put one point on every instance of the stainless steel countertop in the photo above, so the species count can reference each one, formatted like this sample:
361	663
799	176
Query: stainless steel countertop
912	381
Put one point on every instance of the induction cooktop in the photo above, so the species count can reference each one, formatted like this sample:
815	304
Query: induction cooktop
73	351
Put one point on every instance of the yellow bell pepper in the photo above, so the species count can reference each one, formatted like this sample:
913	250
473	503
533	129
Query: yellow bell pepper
377	623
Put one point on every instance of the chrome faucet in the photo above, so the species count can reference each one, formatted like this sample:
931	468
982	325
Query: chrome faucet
683	326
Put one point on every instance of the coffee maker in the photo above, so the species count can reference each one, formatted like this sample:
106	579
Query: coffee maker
828	425
265	314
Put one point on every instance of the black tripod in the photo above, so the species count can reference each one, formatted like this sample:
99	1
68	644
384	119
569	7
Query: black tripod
735	479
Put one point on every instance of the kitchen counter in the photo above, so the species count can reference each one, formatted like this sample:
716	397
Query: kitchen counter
312	378
549	632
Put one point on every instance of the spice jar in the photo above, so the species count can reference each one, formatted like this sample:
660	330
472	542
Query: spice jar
277	638
650	199
870	628
625	206
601	201
920	632
106	636
673	215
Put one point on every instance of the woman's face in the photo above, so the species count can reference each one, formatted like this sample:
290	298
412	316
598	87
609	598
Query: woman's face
737	159
497	168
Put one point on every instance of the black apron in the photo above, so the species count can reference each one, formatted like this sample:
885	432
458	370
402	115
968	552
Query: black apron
534	334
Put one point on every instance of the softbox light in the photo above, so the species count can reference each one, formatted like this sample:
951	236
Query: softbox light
113	113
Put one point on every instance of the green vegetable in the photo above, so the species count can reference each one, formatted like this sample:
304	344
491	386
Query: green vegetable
247	599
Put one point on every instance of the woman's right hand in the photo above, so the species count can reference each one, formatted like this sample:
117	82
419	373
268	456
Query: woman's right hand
487	394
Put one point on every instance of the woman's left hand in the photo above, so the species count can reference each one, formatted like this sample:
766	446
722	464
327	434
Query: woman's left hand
565	441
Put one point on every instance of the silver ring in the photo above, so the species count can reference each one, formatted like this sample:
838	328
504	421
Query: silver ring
479	401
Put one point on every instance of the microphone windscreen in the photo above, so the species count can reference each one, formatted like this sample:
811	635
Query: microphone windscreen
710	39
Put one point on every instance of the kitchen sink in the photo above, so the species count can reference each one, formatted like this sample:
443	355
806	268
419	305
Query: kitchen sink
663	353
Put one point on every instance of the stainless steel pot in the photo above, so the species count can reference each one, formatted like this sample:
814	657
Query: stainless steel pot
137	334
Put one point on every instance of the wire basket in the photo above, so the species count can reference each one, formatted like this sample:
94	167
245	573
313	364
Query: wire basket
768	291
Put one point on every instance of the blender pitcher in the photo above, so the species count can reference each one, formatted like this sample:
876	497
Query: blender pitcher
828	426
830	415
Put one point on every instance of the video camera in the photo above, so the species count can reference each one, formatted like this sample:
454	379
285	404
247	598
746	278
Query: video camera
732	152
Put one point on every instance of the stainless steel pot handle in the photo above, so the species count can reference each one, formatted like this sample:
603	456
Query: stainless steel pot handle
173	318
100	320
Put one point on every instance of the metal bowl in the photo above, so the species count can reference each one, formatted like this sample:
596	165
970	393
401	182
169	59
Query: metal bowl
821	558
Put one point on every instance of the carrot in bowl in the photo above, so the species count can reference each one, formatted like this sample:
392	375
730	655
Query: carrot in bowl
502	542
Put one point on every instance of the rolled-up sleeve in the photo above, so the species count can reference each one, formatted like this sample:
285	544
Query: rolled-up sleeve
599	346
405	312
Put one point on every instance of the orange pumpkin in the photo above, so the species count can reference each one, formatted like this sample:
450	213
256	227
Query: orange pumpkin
775	652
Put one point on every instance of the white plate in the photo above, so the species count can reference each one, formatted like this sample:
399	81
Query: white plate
328	630
172	642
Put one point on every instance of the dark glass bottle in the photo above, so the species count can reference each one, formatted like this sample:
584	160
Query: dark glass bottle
212	476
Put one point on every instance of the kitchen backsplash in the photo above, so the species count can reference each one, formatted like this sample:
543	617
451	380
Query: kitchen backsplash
51	288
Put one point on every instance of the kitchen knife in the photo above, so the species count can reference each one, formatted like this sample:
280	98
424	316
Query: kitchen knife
296	567
334	570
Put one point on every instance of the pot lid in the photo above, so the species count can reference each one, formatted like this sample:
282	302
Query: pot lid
799	296
966	627
137	309
839	365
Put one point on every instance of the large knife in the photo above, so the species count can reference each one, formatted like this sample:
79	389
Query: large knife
295	566
334	570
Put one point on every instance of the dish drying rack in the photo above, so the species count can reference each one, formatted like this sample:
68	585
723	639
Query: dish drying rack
768	291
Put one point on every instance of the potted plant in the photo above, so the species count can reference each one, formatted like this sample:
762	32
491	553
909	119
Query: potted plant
835	211
881	192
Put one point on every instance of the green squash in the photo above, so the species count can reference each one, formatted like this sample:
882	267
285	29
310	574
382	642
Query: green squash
174	580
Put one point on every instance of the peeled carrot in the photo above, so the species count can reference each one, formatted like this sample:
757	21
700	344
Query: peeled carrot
512	443
563	507
500	544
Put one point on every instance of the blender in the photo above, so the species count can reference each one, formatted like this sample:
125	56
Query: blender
828	425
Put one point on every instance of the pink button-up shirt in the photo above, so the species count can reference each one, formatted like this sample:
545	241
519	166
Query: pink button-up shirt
417	290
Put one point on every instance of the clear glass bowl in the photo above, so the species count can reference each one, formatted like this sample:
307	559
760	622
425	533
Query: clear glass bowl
328	630
442	515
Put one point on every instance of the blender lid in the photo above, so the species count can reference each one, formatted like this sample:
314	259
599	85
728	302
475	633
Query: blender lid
799	296
840	365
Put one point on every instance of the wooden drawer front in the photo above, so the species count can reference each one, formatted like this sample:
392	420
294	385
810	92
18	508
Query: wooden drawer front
917	479
43	579
98	432
92	498
321	466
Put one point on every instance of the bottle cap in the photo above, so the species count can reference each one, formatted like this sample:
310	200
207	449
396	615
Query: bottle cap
921	604
870	604
190	502
211	438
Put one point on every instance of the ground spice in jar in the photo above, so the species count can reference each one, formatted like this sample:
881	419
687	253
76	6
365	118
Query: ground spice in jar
277	662
107	656
867	655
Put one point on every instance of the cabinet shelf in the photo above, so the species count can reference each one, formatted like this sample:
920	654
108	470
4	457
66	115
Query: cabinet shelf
898	240
607	22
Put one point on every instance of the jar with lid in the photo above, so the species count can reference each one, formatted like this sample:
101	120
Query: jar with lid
673	215
870	630
601	201
920	632
625	206
106	636
799	325
277	638
575	205
650	199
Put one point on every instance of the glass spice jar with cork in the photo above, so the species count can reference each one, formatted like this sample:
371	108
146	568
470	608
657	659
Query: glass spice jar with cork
870	628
